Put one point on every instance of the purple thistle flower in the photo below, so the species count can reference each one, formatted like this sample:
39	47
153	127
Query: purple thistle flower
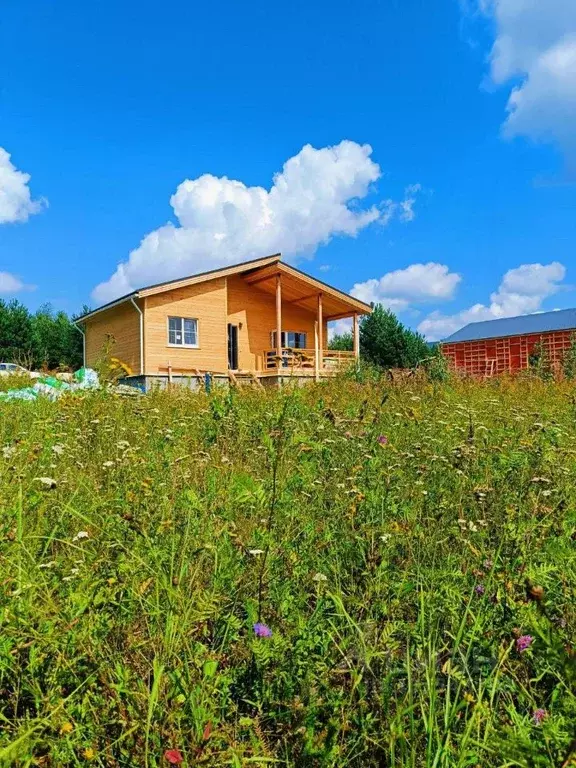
538	716
523	643
479	589
261	630
382	439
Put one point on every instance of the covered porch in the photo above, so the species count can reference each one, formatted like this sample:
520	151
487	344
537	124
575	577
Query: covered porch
303	353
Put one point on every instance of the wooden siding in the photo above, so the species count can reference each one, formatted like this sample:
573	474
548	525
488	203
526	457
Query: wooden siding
204	301
489	357
256	310
120	324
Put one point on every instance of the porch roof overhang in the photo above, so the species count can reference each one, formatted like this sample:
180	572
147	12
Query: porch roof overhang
302	290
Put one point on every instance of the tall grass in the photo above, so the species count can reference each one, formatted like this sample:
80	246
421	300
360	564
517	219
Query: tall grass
141	540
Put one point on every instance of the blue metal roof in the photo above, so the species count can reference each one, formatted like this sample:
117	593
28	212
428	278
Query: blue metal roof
542	322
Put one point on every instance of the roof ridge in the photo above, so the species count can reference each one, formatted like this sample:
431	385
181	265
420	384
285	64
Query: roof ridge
242	267
271	257
137	291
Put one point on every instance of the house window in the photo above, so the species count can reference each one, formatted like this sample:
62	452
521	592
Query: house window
182	332
291	339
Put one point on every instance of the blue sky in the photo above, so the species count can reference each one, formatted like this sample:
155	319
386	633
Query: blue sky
461	207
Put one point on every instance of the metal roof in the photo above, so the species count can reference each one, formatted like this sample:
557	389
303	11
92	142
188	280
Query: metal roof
541	322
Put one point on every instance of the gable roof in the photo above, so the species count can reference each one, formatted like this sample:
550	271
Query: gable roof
266	267
542	322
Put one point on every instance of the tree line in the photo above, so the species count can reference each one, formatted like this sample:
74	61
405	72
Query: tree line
386	342
45	339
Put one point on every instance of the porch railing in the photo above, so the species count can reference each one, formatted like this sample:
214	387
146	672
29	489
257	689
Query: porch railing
305	359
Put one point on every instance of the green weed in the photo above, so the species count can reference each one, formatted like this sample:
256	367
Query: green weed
397	539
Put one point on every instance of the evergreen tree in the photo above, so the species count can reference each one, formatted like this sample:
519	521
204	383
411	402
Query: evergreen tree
385	342
342	341
16	343
417	350
48	346
45	339
75	342
569	359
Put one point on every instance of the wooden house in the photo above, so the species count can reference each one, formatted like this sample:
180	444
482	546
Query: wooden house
262	320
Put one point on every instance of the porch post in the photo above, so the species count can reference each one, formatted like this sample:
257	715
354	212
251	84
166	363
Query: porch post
316	352
356	337
320	334
279	319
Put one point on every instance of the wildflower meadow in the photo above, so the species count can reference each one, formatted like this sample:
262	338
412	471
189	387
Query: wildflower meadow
355	573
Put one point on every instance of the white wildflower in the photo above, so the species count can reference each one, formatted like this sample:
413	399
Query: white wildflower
385	537
319	577
81	535
51	564
108	464
256	551
8	451
48	482
59	449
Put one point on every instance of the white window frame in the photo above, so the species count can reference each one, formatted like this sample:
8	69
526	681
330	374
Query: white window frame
182	346
284	337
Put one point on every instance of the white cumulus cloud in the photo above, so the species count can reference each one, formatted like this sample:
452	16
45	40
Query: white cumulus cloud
416	284
222	221
535	43
16	203
521	292
402	289
9	284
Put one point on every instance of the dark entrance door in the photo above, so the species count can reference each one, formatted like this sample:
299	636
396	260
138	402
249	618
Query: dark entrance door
232	347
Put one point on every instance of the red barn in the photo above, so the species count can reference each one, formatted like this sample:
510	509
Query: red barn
506	345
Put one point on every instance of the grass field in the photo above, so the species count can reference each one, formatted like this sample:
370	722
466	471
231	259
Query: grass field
411	549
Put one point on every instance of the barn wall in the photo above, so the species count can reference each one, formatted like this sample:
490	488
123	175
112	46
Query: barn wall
490	357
